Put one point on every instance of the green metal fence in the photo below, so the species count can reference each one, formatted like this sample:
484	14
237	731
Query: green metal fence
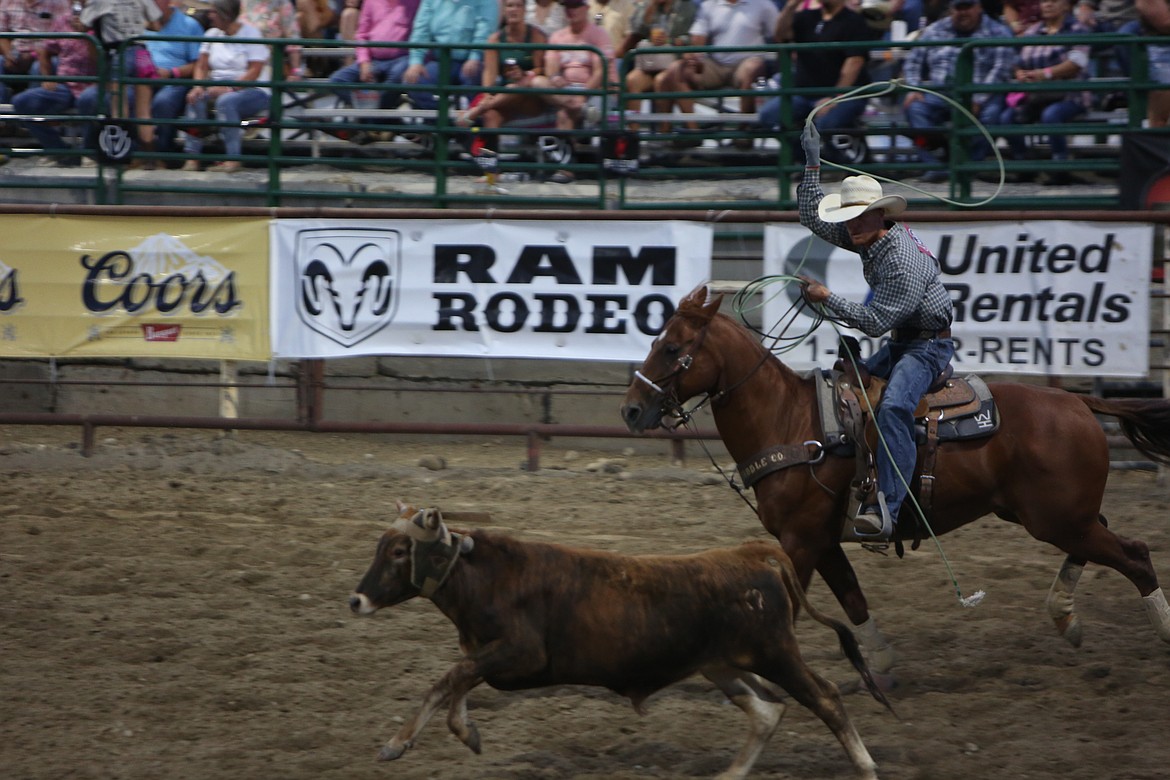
306	151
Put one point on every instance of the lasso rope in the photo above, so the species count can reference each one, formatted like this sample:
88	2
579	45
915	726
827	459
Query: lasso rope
880	88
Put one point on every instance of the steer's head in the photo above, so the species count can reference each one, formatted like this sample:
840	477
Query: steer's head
414	557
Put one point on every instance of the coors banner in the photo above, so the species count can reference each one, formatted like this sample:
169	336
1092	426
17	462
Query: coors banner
595	291
1051	297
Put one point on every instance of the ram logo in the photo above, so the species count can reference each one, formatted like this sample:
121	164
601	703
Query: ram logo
347	281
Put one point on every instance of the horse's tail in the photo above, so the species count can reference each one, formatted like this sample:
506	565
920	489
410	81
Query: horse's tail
848	641
1145	422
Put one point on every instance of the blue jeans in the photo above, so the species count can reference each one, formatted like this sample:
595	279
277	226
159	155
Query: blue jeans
231	107
932	112
840	116
169	102
38	101
1057	113
425	98
384	71
910	367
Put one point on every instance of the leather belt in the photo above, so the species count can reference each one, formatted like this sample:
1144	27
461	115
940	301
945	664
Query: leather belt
908	334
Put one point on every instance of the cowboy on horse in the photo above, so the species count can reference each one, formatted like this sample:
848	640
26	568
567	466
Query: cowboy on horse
908	301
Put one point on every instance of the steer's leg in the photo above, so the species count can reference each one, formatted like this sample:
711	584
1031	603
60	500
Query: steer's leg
452	684
821	696
763	716
460	725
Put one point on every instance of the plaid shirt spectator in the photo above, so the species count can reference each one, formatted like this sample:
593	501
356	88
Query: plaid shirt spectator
934	66
899	269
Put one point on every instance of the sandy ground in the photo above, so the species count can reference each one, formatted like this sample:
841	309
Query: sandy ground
175	606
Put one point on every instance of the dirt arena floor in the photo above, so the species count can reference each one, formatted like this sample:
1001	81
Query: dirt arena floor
175	607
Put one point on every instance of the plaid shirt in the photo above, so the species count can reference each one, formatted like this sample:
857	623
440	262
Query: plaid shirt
901	271
31	16
1049	51
934	66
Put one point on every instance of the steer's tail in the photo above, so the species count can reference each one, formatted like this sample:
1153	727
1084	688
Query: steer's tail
848	642
1145	422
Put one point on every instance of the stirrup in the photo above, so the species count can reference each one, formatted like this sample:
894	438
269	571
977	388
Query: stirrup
887	529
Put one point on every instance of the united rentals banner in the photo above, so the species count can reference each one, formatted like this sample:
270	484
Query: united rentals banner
540	289
133	287
1047	297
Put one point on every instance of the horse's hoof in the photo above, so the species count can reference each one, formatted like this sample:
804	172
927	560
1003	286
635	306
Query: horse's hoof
472	740
391	751
1069	627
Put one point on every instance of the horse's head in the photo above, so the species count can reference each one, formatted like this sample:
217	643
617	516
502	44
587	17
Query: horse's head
673	372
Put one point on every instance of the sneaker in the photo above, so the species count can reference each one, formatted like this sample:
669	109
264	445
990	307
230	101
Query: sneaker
934	177
191	165
562	177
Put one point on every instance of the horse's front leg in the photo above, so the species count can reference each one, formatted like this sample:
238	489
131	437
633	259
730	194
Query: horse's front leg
837	572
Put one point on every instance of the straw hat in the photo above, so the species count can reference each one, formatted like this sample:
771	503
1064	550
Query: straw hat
859	194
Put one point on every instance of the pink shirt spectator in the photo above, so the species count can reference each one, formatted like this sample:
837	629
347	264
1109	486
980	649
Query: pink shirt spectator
31	16
75	56
387	21
576	67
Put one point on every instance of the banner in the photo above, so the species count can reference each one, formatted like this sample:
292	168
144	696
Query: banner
539	289
1050	297
133	287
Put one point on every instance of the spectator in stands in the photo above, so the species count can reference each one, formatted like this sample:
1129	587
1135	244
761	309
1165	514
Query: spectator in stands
114	23
656	23
833	70
576	69
1109	16
169	60
613	16
75	57
224	59
933	67
1155	20
347	23
548	15
722	23
460	22
276	19
504	68
1021	14
386	21
20	54
1045	59
315	18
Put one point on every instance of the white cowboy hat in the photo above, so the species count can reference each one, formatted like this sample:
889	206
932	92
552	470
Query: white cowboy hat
859	194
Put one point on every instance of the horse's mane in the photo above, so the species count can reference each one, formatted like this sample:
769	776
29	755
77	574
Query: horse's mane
696	312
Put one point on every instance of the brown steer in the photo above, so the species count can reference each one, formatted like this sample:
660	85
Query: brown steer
534	614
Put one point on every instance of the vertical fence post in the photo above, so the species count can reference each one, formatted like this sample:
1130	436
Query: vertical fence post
229	393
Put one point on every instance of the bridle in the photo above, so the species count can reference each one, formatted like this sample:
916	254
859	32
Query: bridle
665	386
670	403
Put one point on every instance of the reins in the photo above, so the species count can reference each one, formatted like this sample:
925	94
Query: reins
685	417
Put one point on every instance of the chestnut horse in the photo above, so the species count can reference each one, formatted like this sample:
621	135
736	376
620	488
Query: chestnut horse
1045	468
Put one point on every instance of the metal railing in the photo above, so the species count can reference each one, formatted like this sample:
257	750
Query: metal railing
301	129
